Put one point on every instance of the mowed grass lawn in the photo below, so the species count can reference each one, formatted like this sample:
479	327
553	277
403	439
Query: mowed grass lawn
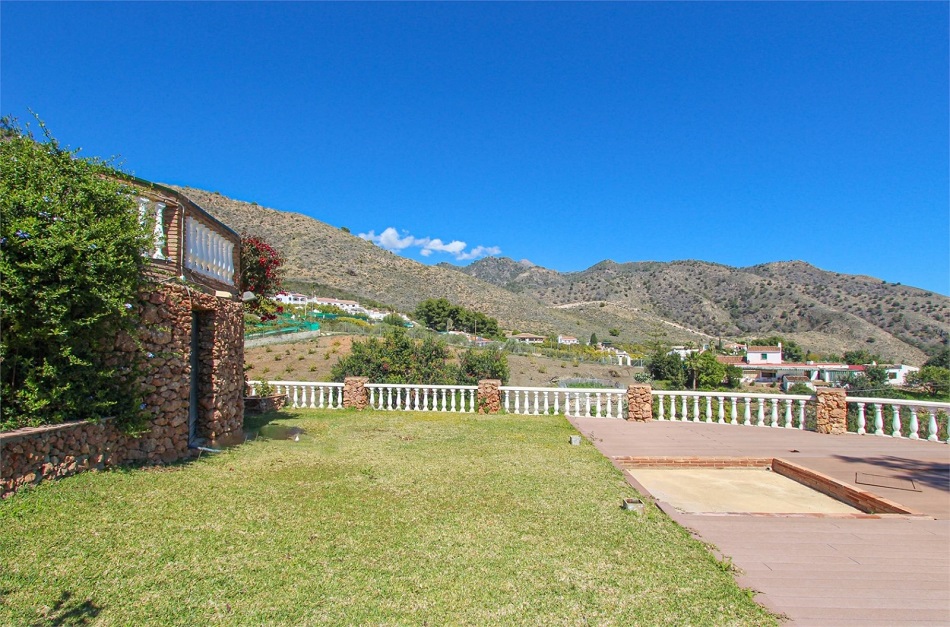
371	518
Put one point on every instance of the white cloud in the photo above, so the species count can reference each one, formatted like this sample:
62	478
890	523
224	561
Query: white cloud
390	239
479	251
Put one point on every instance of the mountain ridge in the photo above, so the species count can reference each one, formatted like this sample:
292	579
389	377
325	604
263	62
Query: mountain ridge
688	300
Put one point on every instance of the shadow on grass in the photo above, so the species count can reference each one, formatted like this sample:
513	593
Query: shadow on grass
933	474
68	611
253	422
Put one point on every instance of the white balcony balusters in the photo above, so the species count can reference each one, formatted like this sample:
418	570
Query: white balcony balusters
208	252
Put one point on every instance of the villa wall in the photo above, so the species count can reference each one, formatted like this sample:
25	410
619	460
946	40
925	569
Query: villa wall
30	455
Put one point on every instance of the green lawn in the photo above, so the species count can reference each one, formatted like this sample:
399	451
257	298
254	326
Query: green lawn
372	518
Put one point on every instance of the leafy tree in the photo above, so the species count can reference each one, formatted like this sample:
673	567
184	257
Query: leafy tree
934	379
704	371
396	359
940	359
71	263
395	320
665	366
860	357
733	376
593	340
872	382
441	315
614	332
476	364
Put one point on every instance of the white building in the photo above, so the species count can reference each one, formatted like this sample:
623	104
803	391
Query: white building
349	306
528	338
897	373
290	298
567	340
764	355
682	351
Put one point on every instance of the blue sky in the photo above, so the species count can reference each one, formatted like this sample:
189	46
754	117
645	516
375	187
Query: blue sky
564	133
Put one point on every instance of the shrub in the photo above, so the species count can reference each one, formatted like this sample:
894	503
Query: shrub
71	262
476	364
261	273
396	359
395	320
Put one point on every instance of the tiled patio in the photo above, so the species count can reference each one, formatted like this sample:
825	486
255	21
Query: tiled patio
820	570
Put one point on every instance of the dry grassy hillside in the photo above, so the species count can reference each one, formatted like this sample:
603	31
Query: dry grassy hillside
327	257
688	300
312	360
825	311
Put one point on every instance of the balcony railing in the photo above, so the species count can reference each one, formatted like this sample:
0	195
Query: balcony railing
186	240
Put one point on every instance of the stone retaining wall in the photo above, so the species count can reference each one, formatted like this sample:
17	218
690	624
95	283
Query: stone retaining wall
831	412
639	402
489	396
30	455
355	393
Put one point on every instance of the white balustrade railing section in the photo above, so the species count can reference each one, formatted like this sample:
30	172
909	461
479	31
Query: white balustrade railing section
604	403
735	408
899	418
411	397
208	252
916	420
306	394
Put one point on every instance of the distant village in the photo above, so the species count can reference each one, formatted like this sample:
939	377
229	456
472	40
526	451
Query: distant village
759	364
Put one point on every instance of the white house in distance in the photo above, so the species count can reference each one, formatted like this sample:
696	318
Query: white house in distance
764	355
528	338
567	340
897	373
682	351
291	298
349	306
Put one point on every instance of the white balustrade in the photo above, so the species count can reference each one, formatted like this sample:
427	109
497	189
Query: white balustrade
306	394
936	417
710	407
526	401
208	252
908	418
412	397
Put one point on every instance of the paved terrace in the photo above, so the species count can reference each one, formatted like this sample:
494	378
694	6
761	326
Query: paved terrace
820	569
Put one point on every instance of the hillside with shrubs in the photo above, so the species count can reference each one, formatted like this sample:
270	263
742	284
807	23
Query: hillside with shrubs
685	301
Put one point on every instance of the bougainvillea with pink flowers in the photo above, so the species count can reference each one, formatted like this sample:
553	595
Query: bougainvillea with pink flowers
261	273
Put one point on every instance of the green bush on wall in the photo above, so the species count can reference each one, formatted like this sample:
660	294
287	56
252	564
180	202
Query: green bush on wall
71	264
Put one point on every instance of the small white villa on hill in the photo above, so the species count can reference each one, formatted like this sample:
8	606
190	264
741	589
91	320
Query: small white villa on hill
756	355
528	338
567	340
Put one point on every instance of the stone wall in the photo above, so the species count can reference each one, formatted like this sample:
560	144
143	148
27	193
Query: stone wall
489	396
355	392
639	402
30	455
831	412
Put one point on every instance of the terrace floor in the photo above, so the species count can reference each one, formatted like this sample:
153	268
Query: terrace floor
826	569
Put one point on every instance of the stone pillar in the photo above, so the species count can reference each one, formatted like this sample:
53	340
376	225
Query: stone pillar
355	393
639	402
832	411
489	396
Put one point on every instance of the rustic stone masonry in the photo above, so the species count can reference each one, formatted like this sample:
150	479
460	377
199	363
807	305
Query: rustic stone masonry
831	413
639	402
355	393
488	400
30	455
